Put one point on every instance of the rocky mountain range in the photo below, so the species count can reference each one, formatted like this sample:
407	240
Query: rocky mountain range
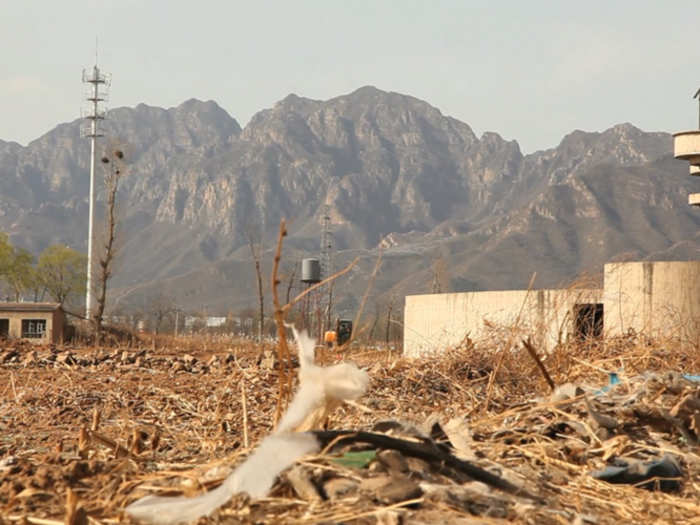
396	175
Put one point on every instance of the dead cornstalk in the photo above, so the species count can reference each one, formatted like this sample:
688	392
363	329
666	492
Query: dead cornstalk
282	348
244	407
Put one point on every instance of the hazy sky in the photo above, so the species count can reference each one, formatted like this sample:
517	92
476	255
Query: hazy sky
529	70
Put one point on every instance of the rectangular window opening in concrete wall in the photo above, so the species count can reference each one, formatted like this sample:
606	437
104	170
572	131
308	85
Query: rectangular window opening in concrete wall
588	319
33	328
4	328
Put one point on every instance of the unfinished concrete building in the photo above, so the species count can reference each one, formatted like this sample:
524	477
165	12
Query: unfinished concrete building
659	299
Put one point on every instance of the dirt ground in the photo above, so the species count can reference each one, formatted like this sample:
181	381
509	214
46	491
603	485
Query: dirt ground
84	432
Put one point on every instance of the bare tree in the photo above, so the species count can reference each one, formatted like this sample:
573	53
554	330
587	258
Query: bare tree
388	318
375	321
255	242
161	307
291	272
114	163
441	278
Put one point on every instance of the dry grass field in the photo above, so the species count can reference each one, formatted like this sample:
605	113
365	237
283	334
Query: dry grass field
85	431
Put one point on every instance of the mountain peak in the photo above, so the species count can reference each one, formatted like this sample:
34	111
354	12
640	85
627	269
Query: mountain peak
370	94
210	113
293	103
368	90
195	103
620	131
625	127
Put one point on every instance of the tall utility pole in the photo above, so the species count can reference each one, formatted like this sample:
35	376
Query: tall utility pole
94	113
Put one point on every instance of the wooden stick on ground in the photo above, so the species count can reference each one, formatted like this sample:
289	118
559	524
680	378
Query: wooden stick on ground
533	353
426	450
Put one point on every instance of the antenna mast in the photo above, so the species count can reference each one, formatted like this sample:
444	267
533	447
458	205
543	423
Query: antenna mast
327	262
97	83
326	244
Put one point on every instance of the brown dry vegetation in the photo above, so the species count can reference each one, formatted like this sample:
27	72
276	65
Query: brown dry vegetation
103	427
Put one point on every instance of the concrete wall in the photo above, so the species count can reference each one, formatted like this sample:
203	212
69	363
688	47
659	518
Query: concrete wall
660	299
435	322
54	325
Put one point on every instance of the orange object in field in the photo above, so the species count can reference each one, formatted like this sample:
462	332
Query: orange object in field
330	337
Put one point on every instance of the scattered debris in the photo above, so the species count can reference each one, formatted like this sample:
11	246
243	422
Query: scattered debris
113	426
662	474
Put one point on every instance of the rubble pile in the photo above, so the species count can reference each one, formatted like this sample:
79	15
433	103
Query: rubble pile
105	359
473	436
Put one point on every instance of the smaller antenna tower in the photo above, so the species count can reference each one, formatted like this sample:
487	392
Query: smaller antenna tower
96	96
327	265
326	243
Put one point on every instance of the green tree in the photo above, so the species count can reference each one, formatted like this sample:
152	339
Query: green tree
16	269
36	287
5	255
19	273
63	272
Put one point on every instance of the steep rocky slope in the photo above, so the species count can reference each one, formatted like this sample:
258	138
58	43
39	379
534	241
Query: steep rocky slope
396	174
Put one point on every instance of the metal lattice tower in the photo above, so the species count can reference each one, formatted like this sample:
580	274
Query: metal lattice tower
327	266
94	113
326	244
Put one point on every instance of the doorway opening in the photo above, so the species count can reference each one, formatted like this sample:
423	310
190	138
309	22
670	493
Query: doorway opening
588	319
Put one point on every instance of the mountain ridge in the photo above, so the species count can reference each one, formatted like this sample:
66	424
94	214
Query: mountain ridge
395	172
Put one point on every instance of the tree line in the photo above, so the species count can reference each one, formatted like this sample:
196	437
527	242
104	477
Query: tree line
58	274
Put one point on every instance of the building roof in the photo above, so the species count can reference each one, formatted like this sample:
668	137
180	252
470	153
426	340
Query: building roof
29	307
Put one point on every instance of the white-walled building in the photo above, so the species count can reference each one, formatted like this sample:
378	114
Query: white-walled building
660	299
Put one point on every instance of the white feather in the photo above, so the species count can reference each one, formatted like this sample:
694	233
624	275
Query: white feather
320	390
255	476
